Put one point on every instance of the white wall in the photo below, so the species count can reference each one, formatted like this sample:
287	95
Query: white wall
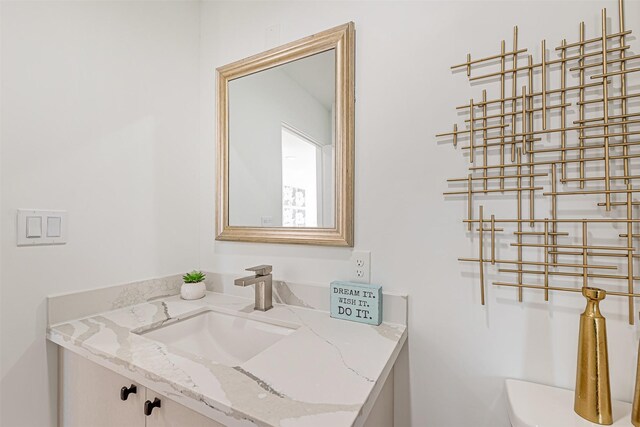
459	352
100	118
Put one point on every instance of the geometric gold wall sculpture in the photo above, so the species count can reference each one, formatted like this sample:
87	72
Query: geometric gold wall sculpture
563	125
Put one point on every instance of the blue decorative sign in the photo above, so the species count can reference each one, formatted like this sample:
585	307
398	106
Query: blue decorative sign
359	302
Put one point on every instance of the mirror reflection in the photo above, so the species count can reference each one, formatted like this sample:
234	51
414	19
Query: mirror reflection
282	145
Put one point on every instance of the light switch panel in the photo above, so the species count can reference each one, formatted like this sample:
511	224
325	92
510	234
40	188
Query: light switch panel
41	227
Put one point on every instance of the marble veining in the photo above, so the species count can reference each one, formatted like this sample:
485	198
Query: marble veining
324	373
283	294
147	290
64	307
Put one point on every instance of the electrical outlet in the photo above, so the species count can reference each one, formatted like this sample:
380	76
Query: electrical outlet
361	266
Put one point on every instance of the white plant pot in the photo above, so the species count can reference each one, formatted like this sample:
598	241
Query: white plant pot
192	290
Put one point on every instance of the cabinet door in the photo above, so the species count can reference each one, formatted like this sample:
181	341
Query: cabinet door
89	395
173	414
381	414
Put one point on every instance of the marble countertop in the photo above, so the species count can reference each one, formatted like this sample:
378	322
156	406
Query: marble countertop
327	372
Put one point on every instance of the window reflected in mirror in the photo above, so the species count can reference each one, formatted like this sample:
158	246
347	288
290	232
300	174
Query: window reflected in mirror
307	180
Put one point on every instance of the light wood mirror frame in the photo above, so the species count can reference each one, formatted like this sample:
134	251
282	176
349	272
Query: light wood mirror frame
342	39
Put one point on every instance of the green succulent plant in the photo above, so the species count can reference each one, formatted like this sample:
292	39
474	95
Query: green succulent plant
194	277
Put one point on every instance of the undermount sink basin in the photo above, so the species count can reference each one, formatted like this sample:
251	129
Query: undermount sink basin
223	338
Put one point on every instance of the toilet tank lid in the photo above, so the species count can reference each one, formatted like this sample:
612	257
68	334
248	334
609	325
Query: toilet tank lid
538	405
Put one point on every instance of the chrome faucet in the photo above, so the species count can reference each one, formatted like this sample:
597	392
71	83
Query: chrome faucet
263	286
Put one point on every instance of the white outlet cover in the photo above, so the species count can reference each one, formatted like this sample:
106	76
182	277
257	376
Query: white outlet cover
361	266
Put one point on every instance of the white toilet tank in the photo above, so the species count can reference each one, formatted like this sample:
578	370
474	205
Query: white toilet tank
537	405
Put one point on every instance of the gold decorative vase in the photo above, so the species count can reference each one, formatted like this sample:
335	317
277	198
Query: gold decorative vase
593	393
635	411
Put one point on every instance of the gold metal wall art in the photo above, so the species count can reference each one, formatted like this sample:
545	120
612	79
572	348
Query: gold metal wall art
635	409
563	126
593	393
560	125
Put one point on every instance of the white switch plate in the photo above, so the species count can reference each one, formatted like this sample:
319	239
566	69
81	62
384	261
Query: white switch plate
56	220
361	266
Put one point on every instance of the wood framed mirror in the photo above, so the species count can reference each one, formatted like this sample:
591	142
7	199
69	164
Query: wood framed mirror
285	143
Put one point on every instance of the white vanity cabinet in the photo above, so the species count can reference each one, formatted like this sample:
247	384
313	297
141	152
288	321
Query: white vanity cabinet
89	395
173	414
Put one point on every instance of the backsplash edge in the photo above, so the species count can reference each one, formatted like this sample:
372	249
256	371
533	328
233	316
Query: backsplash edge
74	305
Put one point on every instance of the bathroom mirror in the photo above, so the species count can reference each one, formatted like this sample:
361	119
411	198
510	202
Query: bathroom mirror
285	143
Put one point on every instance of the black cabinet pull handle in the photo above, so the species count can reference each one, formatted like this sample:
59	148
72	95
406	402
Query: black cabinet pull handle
149	405
125	392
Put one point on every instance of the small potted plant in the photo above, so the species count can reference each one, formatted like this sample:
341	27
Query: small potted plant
193	286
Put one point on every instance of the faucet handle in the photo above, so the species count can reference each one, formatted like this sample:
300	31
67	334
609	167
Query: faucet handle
261	270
